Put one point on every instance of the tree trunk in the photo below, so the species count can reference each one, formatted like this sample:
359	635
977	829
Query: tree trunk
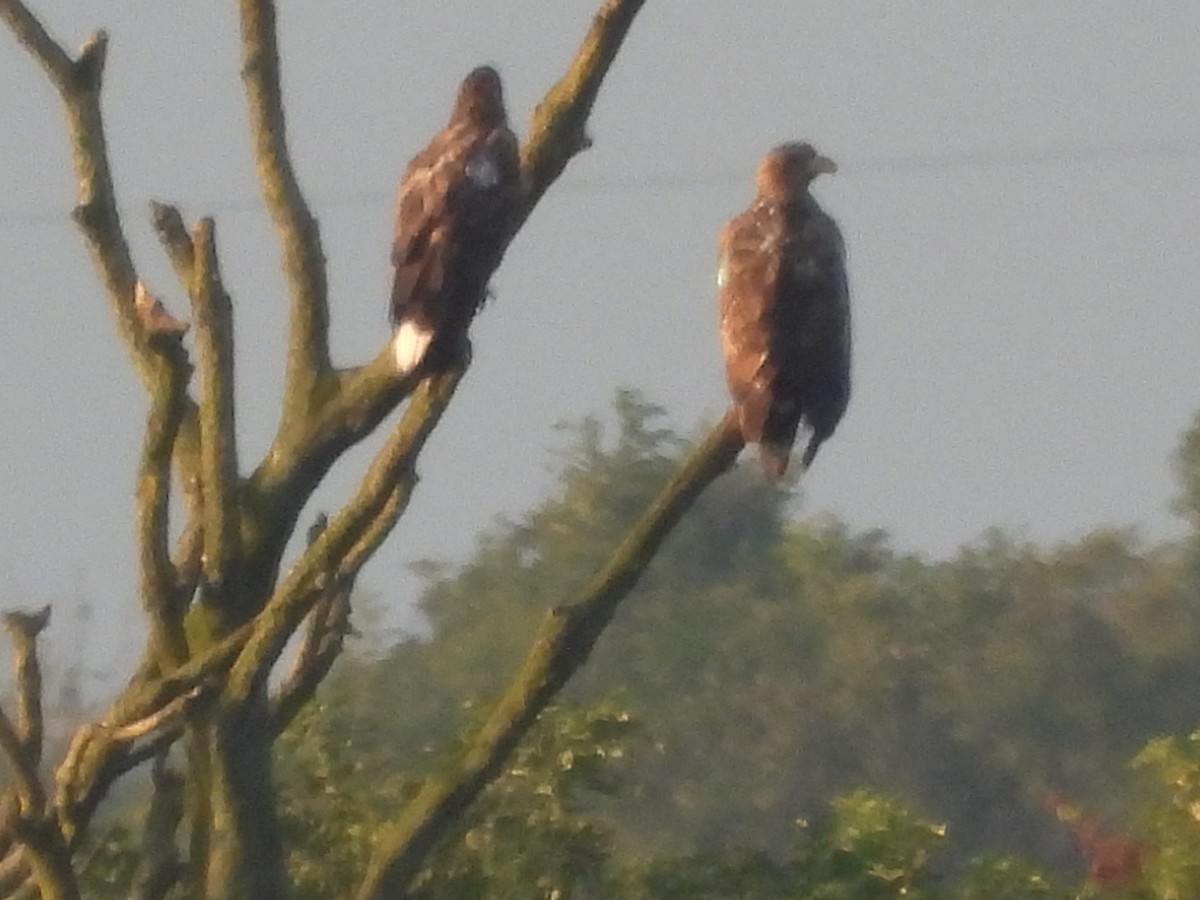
244	852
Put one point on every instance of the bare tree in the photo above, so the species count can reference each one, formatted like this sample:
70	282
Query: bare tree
219	605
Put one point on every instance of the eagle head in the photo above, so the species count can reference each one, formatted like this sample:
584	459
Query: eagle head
789	168
481	98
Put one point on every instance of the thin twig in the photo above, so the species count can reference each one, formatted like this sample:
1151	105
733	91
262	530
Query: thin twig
328	625
168	715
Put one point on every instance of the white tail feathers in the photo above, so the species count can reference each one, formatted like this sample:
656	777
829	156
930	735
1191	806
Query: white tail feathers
409	345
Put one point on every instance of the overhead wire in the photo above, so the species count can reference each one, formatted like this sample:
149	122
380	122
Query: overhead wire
1080	154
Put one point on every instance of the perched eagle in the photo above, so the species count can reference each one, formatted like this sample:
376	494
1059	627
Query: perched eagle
785	310
451	223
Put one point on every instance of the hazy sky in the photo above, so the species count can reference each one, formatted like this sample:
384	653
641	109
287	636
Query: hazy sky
1019	190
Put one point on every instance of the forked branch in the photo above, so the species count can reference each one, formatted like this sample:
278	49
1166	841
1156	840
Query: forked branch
561	646
27	814
351	536
363	396
78	82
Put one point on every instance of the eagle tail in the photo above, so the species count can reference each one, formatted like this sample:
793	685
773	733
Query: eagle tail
810	451
409	345
774	459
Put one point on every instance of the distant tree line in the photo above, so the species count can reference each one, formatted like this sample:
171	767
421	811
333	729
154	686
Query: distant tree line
785	708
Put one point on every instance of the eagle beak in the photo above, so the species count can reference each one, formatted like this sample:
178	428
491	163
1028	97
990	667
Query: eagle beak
823	165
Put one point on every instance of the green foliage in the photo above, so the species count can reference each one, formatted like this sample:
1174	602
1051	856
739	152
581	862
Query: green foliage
783	663
331	803
524	836
111	861
778	668
1172	816
1007	878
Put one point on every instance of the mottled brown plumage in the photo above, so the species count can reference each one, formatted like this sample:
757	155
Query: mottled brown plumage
785	310
452	223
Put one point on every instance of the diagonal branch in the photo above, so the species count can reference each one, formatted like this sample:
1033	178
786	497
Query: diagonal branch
303	259
101	752
22	769
328	625
367	517
213	315
79	82
561	646
29	31
558	128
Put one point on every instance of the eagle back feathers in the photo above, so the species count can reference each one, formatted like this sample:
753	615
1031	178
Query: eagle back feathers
451	223
785	324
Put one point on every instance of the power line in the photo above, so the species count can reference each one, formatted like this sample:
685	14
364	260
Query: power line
1091	154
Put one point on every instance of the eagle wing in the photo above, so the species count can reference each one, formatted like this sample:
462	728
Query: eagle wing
748	280
451	225
424	216
812	321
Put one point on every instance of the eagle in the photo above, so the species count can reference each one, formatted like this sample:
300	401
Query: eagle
452	218
785	310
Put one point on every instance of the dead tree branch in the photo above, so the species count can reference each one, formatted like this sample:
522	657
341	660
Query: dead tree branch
157	577
303	258
174	237
328	625
363	396
42	847
22	770
79	82
363	522
561	646
23	629
213	314
235	534
558	127
161	866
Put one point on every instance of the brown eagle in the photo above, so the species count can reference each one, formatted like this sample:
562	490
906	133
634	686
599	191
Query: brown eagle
785	310
452	224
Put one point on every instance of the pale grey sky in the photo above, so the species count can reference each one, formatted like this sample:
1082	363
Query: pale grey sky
1019	191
